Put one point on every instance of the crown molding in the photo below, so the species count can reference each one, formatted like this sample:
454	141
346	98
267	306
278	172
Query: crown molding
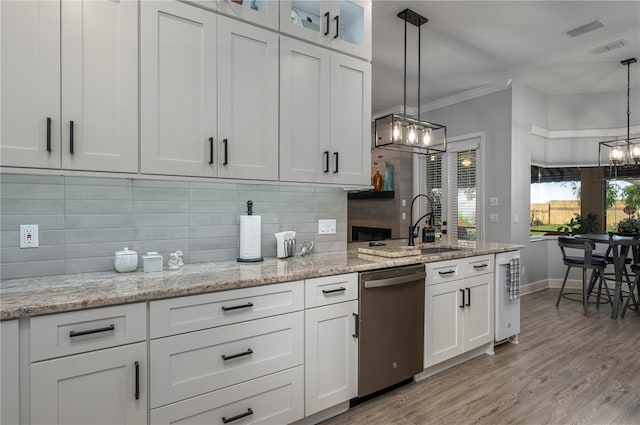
450	100
467	95
584	133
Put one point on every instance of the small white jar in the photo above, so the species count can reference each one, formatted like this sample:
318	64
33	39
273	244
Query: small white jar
152	262
125	261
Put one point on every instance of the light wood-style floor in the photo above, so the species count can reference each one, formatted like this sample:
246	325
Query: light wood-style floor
567	369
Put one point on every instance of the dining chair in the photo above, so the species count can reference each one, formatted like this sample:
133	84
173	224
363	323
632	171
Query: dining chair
633	286
588	261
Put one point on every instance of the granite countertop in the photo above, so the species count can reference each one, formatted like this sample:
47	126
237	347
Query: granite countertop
54	294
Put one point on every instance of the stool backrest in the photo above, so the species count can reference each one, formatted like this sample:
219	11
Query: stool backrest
585	245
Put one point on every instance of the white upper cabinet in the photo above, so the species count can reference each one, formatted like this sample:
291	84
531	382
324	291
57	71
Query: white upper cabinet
325	103
100	85
30	77
70	66
344	25
178	89
350	120
209	103
247	101
259	12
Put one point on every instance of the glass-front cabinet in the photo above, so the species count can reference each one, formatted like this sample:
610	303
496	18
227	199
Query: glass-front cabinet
260	12
344	25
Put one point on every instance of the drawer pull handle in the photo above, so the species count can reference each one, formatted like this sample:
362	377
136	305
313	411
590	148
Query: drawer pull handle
462	305
446	273
236	307
468	304
210	150
235	418
480	266
137	366
92	331
333	291
71	137
326	15
235	356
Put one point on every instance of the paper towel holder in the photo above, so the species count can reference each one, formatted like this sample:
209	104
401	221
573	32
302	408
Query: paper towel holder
250	260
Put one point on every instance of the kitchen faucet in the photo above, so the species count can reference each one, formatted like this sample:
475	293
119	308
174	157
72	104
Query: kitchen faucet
412	227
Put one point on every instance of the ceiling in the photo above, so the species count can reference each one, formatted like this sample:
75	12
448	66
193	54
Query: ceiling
468	44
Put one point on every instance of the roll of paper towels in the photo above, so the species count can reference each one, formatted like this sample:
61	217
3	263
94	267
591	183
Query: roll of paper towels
250	239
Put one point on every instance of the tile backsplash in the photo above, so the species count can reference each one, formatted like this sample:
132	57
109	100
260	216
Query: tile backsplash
84	220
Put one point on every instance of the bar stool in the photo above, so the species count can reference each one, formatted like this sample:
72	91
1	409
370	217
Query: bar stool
635	305
587	262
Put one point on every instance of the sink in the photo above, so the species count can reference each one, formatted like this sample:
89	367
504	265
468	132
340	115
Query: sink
438	250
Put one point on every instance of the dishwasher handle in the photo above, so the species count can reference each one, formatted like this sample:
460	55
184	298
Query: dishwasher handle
380	283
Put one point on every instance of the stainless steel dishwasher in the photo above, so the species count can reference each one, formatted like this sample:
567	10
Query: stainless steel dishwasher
391	327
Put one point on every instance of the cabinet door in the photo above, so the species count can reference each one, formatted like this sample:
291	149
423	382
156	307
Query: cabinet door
350	120
306	19
100	85
305	77
350	27
93	388
478	311
442	323
9	367
30	84
247	101
331	356
178	89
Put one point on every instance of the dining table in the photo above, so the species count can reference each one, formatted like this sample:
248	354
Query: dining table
618	246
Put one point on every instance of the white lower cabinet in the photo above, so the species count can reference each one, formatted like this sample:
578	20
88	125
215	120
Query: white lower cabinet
331	355
273	399
458	317
9	367
100	387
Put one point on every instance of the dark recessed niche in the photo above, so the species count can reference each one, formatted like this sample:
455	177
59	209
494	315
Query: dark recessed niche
371	194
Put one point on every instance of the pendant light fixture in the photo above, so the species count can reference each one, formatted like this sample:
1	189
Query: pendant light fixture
404	133
622	151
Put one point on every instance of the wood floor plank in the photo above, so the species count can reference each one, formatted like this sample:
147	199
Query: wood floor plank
567	369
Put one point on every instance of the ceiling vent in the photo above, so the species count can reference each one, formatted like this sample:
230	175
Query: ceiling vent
610	46
585	28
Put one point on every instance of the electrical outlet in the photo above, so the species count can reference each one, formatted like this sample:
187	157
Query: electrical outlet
493	218
493	202
327	227
516	219
28	236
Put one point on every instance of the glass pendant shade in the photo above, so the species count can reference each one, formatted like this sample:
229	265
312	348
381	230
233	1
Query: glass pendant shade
616	156
635	153
412	134
396	131
426	136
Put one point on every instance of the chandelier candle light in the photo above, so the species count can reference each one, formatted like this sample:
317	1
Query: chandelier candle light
404	133
622	151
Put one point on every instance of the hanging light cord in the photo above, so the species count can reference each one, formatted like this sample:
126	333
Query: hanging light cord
628	101
404	111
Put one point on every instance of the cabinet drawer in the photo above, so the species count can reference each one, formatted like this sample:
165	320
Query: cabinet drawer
478	265
273	399
330	290
186	314
74	332
188	365
443	271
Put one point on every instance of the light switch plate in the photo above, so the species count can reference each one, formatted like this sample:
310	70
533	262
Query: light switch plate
493	218
28	236
327	227
493	202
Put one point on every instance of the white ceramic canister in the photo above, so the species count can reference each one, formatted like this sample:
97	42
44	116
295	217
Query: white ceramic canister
125	261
